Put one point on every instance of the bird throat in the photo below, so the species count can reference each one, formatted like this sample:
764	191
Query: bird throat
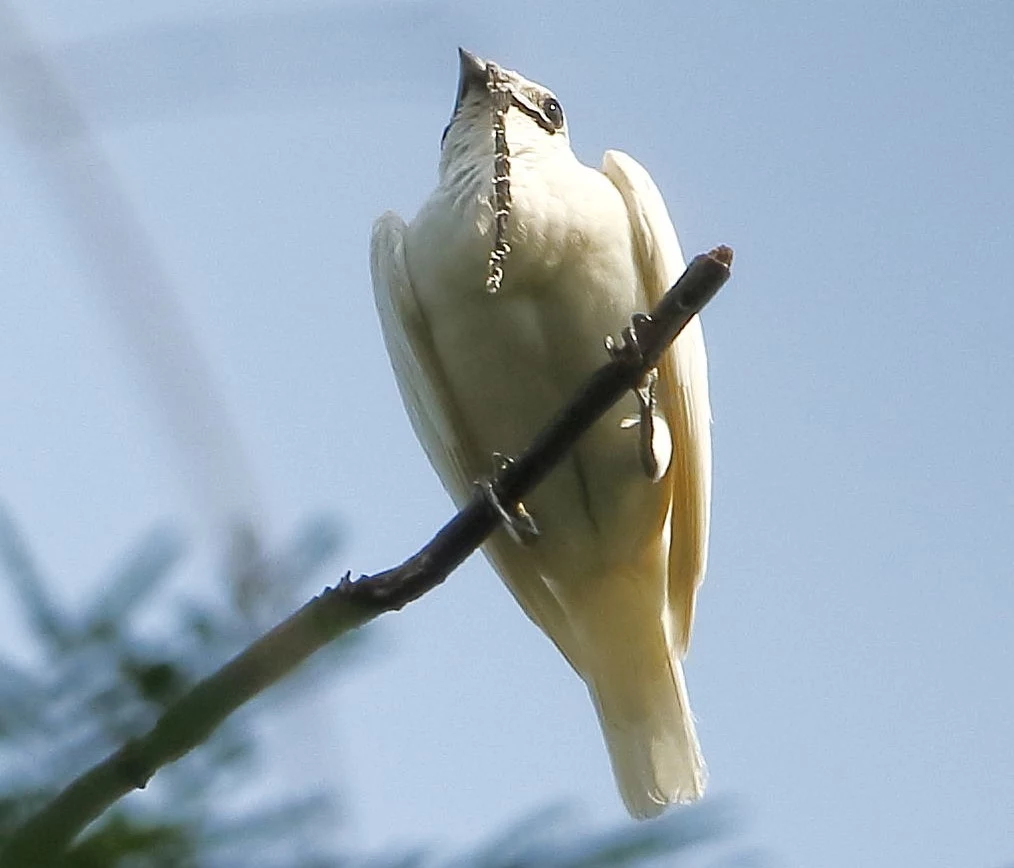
501	97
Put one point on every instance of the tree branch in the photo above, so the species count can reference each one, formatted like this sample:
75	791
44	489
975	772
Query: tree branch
349	605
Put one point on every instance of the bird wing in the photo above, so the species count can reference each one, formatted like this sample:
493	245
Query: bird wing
682	393
421	381
439	425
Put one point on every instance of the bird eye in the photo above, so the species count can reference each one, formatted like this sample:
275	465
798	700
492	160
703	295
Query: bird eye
552	112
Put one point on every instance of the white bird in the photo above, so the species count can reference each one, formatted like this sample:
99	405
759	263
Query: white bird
623	522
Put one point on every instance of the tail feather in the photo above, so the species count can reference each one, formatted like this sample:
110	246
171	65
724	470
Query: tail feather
636	682
652	741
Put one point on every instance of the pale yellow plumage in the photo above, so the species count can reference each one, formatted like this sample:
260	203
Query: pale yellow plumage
612	578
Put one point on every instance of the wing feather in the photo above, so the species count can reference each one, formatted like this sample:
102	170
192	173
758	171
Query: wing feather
439	425
417	369
682	394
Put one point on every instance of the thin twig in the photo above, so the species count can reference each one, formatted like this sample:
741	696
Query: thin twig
192	719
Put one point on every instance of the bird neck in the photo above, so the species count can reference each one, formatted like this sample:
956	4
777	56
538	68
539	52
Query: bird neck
467	158
466	161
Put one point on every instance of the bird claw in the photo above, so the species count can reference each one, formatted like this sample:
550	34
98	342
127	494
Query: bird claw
631	339
518	521
646	400
630	348
645	393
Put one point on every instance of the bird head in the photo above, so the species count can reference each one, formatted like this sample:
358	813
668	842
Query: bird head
534	119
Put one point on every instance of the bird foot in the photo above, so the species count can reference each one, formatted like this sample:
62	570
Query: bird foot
628	348
646	421
518	521
646	400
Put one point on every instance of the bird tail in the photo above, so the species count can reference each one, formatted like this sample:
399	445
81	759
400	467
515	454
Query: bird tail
636	682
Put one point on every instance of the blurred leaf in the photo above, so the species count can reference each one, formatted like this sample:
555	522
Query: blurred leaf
99	686
551	839
123	840
146	565
29	585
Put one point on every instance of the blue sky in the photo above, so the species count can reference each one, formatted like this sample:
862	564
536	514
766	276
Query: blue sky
852	664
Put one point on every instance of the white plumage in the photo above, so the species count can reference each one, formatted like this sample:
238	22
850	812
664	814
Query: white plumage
613	575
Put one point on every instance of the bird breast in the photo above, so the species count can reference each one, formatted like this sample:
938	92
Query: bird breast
512	359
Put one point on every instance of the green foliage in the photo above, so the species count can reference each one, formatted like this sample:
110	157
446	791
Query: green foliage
99	679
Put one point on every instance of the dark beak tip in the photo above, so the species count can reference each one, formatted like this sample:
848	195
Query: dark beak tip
472	72
471	65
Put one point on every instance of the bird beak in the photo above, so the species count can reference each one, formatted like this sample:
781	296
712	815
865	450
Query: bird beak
472	73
